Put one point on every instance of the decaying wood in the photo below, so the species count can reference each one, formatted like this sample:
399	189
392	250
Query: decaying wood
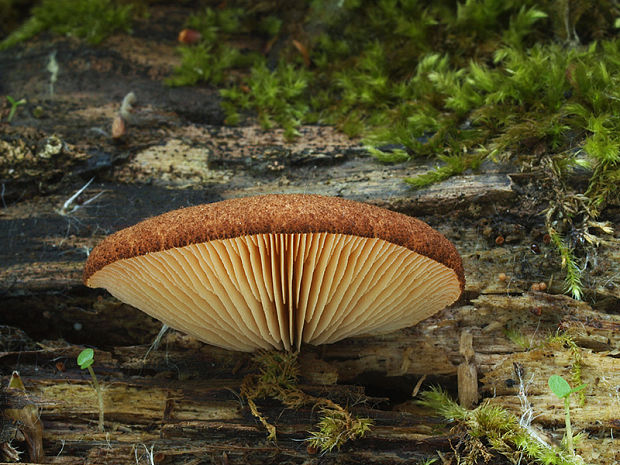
188	390
179	404
467	373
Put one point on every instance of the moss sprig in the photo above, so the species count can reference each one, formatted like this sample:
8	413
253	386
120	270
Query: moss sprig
277	379
572	281
452	165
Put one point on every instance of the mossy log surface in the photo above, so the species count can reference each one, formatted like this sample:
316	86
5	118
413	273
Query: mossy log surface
180	401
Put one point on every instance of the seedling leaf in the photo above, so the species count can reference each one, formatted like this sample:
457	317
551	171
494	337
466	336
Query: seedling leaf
579	388
86	358
560	386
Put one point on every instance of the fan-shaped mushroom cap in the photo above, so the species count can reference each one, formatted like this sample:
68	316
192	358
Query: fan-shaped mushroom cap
277	270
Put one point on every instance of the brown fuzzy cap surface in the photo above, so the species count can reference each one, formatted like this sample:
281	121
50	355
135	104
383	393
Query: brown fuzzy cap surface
276	213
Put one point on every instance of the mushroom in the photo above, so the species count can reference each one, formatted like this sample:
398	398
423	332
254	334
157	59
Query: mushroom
274	271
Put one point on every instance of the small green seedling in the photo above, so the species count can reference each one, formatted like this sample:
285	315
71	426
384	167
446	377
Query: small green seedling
562	389
85	360
14	104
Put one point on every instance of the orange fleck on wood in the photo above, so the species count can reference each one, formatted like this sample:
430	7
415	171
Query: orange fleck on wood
189	36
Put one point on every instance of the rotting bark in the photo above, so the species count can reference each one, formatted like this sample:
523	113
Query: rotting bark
180	401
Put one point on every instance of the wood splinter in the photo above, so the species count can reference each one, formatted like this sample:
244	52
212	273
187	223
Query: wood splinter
467	373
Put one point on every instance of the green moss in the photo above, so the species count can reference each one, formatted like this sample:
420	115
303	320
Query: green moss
270	25
572	281
91	20
490	431
453	164
203	62
518	338
277	379
337	427
210	59
279	97
212	23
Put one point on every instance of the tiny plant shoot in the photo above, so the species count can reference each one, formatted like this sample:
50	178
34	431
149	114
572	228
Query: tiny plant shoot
14	104
85	360
560	387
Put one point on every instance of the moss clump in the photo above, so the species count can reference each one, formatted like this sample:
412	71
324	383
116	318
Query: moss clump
277	379
211	57
278	97
336	427
518	338
547	100
489	431
203	62
91	20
